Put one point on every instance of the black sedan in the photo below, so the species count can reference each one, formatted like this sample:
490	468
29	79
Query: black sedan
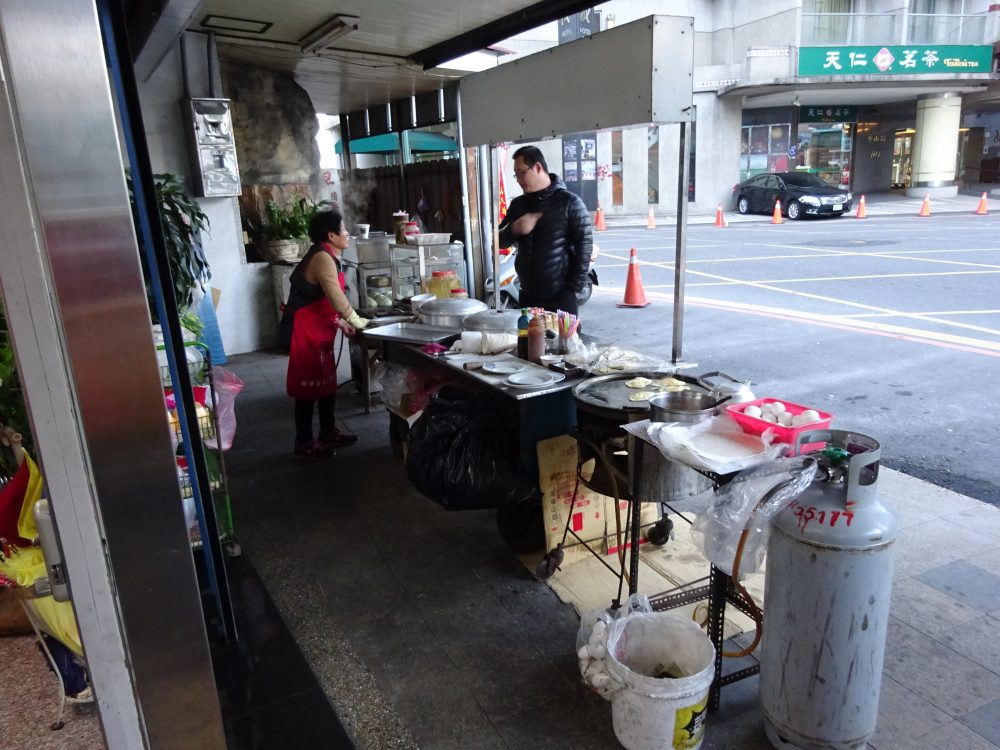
801	194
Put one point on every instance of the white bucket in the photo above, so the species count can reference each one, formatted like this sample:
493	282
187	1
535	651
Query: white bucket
659	713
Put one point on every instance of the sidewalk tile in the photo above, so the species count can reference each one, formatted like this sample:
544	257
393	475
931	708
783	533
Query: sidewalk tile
988	560
984	519
903	715
953	736
927	609
937	674
904	490
977	639
968	583
929	545
985	721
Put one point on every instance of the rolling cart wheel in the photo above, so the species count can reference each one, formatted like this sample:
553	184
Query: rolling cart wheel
550	563
398	429
659	533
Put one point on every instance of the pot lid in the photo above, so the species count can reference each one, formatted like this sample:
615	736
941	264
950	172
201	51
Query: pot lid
610	392
493	320
452	307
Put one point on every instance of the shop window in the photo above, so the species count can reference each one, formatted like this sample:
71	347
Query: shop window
617	170
825	149
764	148
653	163
826	22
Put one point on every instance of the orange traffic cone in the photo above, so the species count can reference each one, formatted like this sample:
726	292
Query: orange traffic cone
981	208
634	295
861	213
776	218
599	224
720	221
925	207
651	220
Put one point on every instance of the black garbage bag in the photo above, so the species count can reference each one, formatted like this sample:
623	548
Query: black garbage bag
464	454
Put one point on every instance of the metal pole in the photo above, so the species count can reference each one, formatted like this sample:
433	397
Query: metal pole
681	244
485	212
463	168
402	171
345	146
494	234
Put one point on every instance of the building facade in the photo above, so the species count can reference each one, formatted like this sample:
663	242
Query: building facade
870	95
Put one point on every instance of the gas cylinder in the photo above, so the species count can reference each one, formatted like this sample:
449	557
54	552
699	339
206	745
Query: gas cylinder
826	602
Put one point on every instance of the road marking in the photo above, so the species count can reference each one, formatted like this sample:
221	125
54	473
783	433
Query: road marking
848	278
942	312
815	254
894	255
825	298
903	333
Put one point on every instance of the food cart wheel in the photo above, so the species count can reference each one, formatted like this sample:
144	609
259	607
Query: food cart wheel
398	429
522	526
550	563
659	533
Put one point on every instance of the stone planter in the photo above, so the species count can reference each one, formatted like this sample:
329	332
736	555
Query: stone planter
284	250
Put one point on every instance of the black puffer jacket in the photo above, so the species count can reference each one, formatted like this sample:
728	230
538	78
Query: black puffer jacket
556	255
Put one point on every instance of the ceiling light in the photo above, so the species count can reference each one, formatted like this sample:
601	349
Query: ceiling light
796	101
325	34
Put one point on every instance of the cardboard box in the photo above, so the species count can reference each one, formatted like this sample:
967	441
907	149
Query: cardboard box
649	514
587	511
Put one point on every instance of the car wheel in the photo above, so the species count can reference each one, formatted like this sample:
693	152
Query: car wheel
794	211
743	205
584	294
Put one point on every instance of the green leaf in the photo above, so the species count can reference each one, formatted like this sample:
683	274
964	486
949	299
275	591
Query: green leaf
183	222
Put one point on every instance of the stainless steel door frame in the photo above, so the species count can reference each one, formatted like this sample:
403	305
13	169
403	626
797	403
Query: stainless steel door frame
70	272
47	382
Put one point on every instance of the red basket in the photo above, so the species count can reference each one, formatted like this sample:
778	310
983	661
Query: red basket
756	425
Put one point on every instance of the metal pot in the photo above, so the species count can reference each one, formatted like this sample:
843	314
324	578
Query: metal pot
736	391
448	313
419	299
493	321
686	407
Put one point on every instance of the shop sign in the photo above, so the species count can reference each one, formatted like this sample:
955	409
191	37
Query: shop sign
940	59
828	114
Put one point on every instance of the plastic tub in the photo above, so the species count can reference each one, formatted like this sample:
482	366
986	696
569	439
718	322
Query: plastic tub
756	425
435	238
659	713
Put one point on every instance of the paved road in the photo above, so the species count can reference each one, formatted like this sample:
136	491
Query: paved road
892	324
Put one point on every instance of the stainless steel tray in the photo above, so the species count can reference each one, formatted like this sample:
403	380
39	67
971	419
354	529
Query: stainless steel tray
410	333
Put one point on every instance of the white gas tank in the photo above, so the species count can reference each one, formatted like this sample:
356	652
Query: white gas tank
826	602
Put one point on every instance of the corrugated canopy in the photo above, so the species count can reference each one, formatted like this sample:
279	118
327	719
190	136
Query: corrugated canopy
388	143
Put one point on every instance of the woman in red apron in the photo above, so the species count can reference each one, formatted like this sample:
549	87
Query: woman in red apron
316	308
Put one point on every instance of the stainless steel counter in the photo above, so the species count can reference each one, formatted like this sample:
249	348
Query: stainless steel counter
457	362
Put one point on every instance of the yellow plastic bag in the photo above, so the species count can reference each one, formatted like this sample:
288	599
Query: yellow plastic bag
26	521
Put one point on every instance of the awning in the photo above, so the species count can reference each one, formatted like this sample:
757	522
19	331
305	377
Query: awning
388	143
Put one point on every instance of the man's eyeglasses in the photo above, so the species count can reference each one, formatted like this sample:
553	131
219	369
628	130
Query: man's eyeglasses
519	173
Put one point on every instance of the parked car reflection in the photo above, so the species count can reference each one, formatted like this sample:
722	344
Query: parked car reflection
801	194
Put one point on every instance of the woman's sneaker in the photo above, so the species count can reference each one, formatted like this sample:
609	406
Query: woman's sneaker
314	449
337	439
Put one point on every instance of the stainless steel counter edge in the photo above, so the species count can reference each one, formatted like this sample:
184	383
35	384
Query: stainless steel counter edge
494	381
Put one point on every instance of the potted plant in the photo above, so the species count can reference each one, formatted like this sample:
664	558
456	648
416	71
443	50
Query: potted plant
183	222
13	414
285	229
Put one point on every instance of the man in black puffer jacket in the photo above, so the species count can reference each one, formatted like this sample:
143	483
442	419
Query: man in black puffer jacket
551	227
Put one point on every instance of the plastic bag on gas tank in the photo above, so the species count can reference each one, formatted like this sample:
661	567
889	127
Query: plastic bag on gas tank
717	530
463	454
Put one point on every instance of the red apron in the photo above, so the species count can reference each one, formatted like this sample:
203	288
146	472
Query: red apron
312	364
